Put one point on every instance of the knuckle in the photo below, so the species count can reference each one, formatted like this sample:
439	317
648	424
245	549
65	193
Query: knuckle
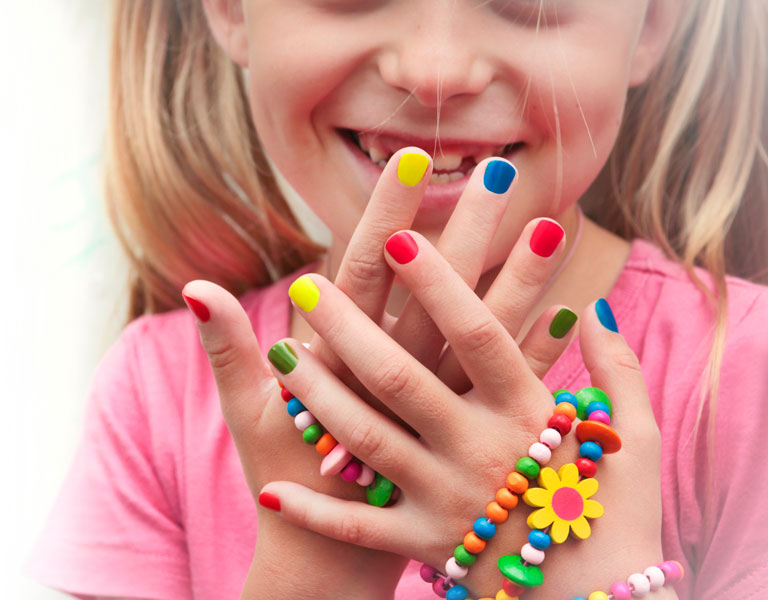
479	337
360	270
222	356
349	529
392	380
366	441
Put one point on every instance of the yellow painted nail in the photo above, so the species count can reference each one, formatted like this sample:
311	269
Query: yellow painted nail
304	293
412	168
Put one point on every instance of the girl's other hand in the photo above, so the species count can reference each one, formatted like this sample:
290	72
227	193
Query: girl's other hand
468	444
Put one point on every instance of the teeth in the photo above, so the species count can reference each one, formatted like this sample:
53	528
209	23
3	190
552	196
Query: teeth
378	155
447	162
382	163
455	176
444	178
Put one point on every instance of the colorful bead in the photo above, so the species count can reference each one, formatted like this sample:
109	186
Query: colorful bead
427	573
598	596
304	419
601	417
512	589
562	396
561	423
656	577
366	477
280	383
325	444
495	512
527	576
312	434
600	433
294	407
591	394
351	471
335	461
380	491
484	529
540	453
502	595
473	544
454	570
596	405
590	450
464	558
539	539
506	498
586	467
639	584
439	587
528	467
532	555
285	394
566	409
621	591
673	570
457	592
551	438
516	483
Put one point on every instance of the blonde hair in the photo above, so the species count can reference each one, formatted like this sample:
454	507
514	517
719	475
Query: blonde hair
190	194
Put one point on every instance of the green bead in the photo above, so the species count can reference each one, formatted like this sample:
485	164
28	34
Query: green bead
312	433
380	491
591	394
512	567
463	556
556	393
528	467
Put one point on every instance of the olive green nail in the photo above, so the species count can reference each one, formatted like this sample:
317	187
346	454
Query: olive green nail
283	357
562	323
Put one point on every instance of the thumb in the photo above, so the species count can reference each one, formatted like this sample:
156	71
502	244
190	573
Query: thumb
242	377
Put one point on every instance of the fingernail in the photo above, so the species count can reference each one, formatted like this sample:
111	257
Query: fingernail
562	323
411	168
402	247
269	501
605	314
546	237
499	175
304	293
199	309
283	357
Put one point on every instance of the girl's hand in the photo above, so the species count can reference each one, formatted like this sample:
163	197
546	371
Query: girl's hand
468	444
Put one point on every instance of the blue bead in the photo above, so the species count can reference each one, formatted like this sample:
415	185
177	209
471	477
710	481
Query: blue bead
597	405
484	529
294	407
591	450
540	540
566	397
457	592
579	598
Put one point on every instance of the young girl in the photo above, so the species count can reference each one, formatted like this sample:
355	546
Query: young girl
648	113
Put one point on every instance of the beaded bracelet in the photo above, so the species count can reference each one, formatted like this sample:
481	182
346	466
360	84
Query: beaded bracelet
641	584
379	490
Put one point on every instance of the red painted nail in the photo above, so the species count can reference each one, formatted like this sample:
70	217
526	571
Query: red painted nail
546	237
201	310
402	247
269	501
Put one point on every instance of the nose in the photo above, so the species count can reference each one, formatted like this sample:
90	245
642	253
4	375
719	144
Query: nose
432	59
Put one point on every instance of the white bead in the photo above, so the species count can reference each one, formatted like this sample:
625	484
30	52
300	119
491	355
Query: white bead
540	453
303	420
454	570
532	555
366	476
656	577
639	584
551	437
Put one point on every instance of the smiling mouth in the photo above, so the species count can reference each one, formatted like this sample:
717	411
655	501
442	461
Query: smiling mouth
448	166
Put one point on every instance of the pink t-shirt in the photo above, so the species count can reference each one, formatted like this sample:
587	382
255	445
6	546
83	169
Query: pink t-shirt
156	506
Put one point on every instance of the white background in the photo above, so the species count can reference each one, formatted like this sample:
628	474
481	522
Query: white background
63	278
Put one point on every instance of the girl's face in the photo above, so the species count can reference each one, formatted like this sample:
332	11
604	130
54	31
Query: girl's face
336	86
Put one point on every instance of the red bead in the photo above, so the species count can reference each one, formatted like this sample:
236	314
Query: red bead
586	467
561	423
285	394
512	589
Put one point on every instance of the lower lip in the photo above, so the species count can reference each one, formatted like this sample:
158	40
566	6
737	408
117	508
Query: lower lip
437	197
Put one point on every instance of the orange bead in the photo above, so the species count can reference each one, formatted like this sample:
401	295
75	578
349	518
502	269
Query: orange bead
517	483
325	444
495	513
506	498
594	431
567	409
473	543
280	383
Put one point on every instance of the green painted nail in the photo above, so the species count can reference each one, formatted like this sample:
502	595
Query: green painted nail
562	323
283	357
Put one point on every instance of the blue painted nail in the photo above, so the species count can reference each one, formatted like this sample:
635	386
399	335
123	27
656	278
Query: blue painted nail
605	314
499	175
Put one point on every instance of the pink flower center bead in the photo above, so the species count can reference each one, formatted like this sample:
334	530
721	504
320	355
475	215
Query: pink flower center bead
567	504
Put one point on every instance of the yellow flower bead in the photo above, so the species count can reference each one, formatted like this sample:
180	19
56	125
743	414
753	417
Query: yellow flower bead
598	596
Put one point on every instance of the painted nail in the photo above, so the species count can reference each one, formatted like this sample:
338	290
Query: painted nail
283	357
499	175
269	501
562	323
199	309
605	314
411	169
546	237
304	293
402	247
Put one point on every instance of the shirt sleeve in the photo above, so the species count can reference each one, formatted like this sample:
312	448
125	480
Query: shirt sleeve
112	530
733	562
